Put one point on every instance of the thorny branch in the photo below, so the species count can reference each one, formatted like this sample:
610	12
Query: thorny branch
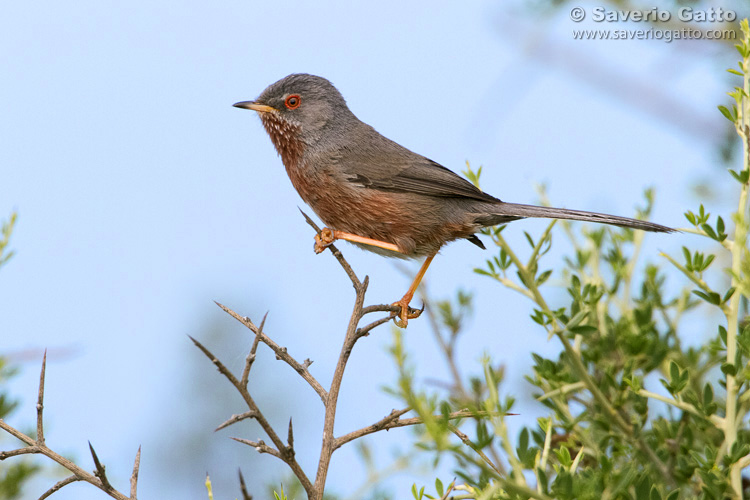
330	443
59	485
394	420
38	446
281	353
285	453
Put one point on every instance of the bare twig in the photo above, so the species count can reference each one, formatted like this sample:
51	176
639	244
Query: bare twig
18	435
20	451
235	418
281	352
251	355
59	485
134	475
365	330
394	420
243	488
290	436
448	491
40	403
100	471
465	439
260	446
280	451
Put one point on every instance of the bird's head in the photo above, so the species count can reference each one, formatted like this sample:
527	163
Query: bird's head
300	111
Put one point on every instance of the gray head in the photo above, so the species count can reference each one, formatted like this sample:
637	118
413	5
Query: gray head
301	108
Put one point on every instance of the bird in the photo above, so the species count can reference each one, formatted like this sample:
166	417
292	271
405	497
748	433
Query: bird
377	194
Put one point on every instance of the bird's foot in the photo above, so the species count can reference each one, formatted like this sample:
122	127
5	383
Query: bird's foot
328	236
323	239
406	313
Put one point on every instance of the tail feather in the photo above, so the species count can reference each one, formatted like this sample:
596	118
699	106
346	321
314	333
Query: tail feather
506	212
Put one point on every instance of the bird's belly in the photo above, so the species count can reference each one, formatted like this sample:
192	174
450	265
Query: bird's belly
410	222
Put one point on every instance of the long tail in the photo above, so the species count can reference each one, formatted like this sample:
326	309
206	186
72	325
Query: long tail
506	212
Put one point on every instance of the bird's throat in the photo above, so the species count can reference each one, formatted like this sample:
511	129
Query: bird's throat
285	138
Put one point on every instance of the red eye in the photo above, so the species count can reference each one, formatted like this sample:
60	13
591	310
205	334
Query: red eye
293	101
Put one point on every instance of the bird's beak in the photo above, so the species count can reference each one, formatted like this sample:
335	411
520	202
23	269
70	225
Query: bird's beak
260	108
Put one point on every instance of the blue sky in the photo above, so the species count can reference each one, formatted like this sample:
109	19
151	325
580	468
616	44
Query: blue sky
143	195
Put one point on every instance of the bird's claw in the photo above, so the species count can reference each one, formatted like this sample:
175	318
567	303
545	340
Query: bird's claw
323	239
406	313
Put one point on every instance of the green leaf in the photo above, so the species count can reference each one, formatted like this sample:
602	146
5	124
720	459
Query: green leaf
576	281
688	258
655	495
728	369
563	455
674	371
577	319
523	439
726	113
439	487
734	72
712	298
690	216
529	239
707	262
543	277
539	317
709	231
543	481
584	329
736	175
708	394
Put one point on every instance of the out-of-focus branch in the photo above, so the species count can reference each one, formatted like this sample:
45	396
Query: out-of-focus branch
243	488
649	97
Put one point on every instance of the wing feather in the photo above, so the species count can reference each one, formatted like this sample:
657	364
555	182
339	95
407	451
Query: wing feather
389	166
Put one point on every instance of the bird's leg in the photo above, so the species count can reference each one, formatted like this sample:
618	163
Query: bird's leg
328	236
408	313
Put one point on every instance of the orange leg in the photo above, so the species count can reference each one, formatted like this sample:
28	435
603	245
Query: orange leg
328	236
406	314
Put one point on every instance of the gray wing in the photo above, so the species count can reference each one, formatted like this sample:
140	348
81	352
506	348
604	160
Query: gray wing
387	166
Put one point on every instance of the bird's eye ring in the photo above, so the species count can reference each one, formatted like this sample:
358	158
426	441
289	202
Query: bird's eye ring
293	101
